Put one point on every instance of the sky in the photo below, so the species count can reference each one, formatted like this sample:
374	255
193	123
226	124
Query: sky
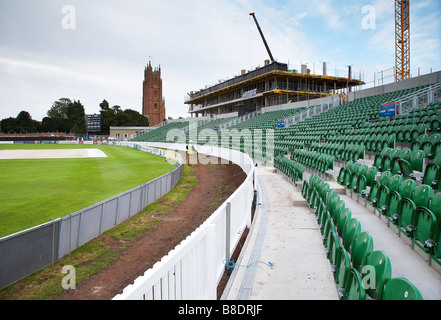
91	50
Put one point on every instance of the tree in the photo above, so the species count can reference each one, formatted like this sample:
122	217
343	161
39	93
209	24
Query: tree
8	125
77	117
21	124
115	116
59	108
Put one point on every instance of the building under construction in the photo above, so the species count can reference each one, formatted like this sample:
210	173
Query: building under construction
272	84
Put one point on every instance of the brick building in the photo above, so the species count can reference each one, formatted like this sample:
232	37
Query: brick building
153	104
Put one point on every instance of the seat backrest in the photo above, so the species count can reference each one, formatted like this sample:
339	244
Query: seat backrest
344	217
435	205
373	191
422	195
395	182
376	279
401	289
406	211
434	138
362	169
361	183
416	160
343	267
405	154
437	160
393	202
354	288
423	137
363	245
395	153
337	209
384	178
386	151
424	223
407	188
437	240
382	194
351	230
371	172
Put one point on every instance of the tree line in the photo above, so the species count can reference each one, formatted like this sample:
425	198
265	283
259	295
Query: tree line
69	116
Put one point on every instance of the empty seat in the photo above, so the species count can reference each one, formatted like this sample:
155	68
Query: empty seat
435	244
432	173
415	163
426	223
363	245
351	231
377	277
342	268
344	216
401	289
420	198
354	289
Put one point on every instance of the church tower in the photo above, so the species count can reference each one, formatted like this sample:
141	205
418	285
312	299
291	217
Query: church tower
153	104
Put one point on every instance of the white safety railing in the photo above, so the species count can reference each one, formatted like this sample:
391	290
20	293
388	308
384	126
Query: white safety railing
193	269
418	99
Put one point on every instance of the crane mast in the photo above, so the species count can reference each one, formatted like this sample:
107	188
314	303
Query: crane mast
263	38
402	40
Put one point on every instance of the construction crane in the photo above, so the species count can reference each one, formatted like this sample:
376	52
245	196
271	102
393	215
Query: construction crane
263	38
402	40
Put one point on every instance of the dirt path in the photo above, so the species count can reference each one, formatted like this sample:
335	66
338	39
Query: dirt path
214	181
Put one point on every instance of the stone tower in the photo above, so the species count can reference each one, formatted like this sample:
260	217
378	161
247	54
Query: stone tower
153	104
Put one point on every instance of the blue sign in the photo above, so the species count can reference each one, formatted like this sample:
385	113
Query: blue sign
280	123
216	128
387	110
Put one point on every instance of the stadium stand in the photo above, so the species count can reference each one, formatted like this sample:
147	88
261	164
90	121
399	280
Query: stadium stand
391	165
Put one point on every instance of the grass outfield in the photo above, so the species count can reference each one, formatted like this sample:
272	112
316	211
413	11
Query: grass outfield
33	191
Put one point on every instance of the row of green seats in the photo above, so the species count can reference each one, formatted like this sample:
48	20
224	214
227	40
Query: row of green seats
351	251
315	160
292	169
415	210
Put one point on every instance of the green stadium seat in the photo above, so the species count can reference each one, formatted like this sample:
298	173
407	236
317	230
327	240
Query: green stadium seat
392	205
435	244
333	246
407	168
372	196
382	196
343	218
432	174
354	289
371	172
401	289
342	269
350	232
381	274
361	185
363	245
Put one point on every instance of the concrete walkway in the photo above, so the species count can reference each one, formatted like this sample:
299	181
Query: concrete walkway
290	239
288	236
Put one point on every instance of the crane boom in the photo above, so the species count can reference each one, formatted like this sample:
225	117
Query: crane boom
263	38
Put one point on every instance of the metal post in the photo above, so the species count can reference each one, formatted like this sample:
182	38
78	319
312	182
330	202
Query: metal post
228	230
53	240
70	232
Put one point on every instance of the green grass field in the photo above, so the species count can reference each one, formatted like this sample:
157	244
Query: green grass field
36	190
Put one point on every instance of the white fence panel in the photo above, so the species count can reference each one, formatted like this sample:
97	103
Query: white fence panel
192	270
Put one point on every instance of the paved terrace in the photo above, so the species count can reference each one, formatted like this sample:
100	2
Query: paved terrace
288	236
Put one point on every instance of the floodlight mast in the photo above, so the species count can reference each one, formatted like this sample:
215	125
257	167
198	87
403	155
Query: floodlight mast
263	38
